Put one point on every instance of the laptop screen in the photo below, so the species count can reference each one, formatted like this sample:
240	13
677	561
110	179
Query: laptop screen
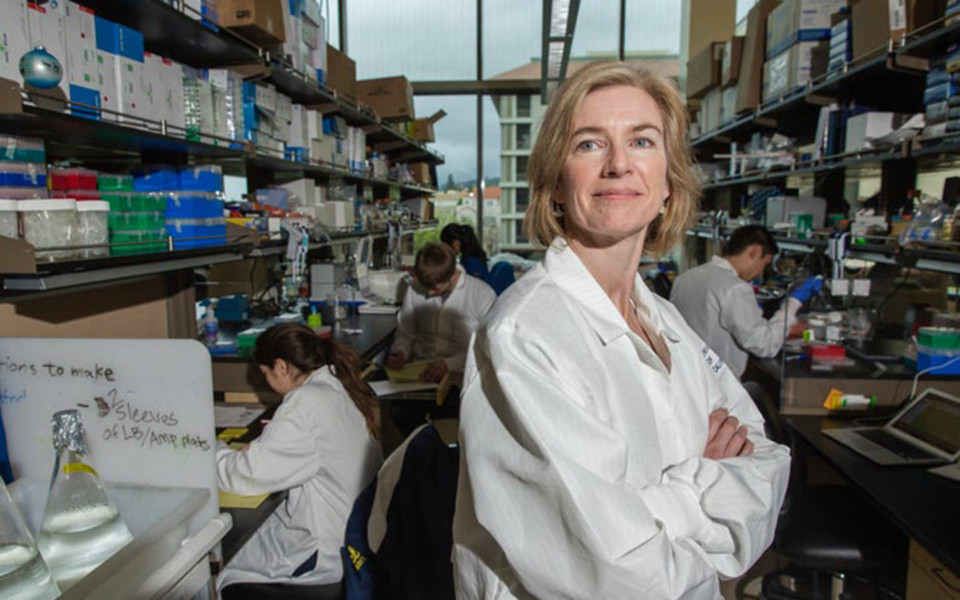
933	419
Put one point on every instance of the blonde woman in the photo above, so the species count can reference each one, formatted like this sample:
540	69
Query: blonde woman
606	451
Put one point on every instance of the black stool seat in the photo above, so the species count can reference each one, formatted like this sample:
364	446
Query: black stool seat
832	528
282	591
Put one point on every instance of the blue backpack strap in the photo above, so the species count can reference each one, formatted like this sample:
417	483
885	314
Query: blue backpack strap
356	553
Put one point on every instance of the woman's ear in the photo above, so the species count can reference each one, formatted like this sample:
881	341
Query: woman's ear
281	367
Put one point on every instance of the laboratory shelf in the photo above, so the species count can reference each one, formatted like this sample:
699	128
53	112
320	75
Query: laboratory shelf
324	170
173	34
76	273
931	41
277	247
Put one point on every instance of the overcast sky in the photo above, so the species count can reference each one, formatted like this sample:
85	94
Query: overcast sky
436	40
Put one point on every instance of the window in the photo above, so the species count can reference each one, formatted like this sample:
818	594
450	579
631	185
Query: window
518	231
523	136
523	106
522	199
522	168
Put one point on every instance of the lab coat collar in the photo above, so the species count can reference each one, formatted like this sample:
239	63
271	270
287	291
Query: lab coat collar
723	263
324	373
571	275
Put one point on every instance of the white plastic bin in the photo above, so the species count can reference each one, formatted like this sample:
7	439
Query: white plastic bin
161	560
49	224
93	227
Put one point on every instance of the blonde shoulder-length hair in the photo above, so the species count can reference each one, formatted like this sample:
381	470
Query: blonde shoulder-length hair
543	222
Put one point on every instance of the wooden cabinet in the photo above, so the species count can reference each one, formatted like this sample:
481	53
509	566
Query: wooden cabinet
928	579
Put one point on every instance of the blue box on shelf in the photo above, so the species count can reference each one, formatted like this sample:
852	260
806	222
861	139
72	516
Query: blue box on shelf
156	179
80	95
196	233
233	309
108	35
926	361
22	174
194	205
296	153
202	178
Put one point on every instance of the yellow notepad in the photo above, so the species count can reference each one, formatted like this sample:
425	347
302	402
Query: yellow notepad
231	433
409	372
228	500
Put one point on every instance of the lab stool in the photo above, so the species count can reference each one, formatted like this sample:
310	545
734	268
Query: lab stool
826	530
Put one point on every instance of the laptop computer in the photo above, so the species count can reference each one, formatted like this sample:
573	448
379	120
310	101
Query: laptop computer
926	431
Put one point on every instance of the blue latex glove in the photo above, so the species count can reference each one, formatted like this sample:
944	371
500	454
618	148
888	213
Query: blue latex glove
808	288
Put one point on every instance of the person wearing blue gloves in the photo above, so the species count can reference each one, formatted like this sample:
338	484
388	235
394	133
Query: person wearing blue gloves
718	302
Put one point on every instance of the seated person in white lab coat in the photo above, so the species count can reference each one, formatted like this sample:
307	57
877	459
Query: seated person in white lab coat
605	452
440	311
718	302
321	446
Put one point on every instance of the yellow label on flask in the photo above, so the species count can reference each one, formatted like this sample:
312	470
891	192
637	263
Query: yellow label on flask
78	468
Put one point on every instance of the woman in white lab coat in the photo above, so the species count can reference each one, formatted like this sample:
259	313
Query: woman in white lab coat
606	451
321	446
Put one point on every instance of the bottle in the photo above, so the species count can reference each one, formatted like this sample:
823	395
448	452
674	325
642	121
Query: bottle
211	327
81	526
314	320
23	573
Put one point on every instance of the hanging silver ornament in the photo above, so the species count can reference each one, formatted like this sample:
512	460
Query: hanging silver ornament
41	69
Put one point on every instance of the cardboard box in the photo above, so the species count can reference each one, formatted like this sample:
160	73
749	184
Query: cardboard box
730	64
876	22
788	70
703	70
389	97
422	129
80	38
709	21
341	73
129	67
728	105
260	21
13	42
709	115
751	64
799	21
108	49
420	171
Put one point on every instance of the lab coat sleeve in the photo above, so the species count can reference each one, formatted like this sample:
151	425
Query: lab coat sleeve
740	315
539	449
479	305
406	326
284	456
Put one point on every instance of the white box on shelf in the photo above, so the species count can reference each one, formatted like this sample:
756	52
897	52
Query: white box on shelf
788	70
298	137
301	192
13	43
780	209
206	106
108	47
130	92
171	75
336	215
870	125
314	124
80	36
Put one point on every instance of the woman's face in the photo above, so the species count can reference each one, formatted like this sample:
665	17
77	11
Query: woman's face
614	178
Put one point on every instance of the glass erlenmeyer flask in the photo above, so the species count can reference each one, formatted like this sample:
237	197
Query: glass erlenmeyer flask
23	574
81	527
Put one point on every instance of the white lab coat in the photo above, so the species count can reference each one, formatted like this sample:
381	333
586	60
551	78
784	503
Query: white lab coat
441	327
317	447
722	309
581	472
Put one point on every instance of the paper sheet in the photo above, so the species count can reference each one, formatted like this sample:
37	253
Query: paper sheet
387	388
235	416
228	500
409	372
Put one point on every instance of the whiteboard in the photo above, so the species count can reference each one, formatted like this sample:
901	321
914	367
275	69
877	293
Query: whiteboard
146	405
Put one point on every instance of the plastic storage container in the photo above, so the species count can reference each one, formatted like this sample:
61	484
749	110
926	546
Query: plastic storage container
92	227
124	221
78	195
47	224
111	182
157	179
22	149
23	174
137	241
203	178
23	193
72	179
136	201
938	346
197	233
194	205
8	218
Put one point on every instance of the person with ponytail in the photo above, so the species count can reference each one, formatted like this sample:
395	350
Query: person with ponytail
464	242
322	446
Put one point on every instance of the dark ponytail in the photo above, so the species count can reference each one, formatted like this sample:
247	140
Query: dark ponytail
469	244
302	348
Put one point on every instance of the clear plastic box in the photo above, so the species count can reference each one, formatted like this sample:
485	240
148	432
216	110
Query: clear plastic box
48	224
22	149
23	174
8	219
23	193
92	227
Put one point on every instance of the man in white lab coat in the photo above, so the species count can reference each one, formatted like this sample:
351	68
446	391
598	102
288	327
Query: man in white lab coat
440	311
718	302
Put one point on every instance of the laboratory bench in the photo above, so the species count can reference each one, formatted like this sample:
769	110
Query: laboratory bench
802	390
919	503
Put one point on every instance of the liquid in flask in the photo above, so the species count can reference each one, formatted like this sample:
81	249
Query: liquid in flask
81	526
23	573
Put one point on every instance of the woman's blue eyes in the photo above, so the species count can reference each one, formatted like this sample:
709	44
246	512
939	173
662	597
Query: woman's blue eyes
588	145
